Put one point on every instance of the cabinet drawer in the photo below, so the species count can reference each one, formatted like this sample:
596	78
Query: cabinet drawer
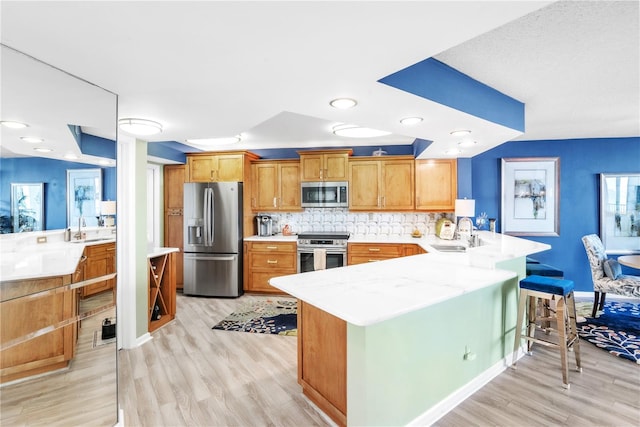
363	259
260	281
383	251
272	261
272	247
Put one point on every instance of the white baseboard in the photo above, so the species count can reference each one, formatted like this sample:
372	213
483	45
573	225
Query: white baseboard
457	397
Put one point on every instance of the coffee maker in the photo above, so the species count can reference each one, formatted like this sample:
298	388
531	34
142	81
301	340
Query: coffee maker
265	225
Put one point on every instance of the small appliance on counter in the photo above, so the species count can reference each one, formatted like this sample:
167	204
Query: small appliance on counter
445	229
264	225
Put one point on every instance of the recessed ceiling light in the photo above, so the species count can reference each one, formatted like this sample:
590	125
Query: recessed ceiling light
411	120
71	156
453	151
343	103
43	149
140	126
13	125
353	131
467	143
32	139
215	141
460	132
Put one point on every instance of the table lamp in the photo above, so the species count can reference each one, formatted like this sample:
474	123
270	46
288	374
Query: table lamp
108	211
465	208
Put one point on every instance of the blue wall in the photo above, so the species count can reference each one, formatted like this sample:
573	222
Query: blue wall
54	175
581	160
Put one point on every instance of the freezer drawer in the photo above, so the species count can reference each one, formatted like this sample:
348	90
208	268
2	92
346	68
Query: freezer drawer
212	275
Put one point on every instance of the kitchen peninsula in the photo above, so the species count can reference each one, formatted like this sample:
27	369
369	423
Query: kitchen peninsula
402	341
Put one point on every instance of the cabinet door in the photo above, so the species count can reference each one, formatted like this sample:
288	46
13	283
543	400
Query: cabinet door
335	167
436	184
100	262
289	186
173	186
201	168
229	168
311	165
364	191
397	183
265	182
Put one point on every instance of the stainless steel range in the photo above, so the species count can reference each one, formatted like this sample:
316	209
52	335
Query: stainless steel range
334	245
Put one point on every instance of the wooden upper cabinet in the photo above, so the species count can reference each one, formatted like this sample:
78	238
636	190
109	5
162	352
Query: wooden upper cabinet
436	184
276	185
217	167
324	165
381	183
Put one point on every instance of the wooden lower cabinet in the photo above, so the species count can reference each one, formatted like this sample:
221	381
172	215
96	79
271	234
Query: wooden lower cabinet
100	261
20	317
322	360
265	260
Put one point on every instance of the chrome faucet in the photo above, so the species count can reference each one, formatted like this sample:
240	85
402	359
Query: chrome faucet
81	223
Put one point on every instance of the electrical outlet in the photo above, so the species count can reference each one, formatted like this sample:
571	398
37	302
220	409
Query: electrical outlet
42	239
468	354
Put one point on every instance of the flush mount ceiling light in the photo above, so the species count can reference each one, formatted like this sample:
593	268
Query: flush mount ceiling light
43	149
215	141
353	131
411	120
460	132
13	125
140	126
32	139
343	103
467	143
453	152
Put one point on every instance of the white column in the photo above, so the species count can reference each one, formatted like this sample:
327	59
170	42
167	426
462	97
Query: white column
131	250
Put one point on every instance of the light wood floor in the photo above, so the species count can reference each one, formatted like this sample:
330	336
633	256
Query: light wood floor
192	375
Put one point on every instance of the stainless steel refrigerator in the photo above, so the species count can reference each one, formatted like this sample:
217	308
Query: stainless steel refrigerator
213	239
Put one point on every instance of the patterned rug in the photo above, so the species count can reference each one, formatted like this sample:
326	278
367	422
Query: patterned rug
616	329
272	316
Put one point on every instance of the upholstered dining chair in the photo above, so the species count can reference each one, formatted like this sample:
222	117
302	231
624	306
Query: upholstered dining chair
607	274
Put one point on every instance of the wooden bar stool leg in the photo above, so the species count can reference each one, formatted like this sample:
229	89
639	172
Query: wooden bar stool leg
531	325
521	309
562	340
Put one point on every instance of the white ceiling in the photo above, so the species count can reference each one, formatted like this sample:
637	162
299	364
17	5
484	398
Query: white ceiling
267	70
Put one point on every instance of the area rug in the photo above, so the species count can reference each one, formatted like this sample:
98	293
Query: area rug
616	330
271	316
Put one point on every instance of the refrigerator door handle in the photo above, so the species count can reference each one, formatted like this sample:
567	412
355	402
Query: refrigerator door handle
212	219
211	258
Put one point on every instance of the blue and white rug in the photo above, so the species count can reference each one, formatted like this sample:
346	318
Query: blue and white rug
616	330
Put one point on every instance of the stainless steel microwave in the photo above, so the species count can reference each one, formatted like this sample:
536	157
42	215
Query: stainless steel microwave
325	194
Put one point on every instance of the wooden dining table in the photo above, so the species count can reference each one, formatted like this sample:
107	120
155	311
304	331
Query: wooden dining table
632	261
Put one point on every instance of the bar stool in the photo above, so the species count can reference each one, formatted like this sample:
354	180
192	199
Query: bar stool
535	289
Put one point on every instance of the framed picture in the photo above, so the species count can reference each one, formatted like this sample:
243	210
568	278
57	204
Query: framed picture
620	212
84	193
530	196
27	207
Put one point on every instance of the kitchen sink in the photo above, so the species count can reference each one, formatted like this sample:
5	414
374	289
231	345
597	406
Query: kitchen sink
449	248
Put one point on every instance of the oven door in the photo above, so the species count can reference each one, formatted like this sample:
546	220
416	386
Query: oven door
334	259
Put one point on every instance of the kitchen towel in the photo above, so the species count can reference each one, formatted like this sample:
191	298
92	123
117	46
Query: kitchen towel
319	259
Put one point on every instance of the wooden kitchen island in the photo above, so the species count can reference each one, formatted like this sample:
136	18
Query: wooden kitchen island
403	341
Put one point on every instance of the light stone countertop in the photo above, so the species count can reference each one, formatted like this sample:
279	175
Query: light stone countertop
24	258
366	294
156	251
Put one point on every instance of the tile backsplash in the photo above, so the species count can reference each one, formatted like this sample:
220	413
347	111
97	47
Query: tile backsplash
357	223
